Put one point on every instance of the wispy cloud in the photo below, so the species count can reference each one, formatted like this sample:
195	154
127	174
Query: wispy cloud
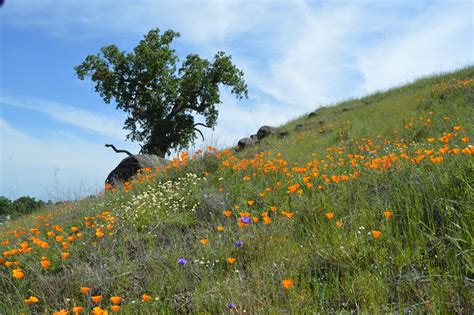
52	168
89	121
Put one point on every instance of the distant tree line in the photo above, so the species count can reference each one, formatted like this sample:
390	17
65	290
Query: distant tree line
21	206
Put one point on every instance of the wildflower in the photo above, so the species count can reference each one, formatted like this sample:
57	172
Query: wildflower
98	310
204	241
227	213
61	312
329	215
65	255
245	220
231	306
457	128
339	223
31	300
267	220
85	290
146	298
77	309
239	243
251	202
293	188
287	283
231	260
273	208
182	261
388	214
375	233
115	308
18	273
96	298
115	300
220	228
99	232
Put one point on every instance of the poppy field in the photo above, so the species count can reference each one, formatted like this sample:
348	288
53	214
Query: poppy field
369	207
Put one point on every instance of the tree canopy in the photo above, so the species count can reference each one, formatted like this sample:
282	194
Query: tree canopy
160	99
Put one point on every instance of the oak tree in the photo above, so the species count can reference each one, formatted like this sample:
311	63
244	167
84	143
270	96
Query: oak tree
162	101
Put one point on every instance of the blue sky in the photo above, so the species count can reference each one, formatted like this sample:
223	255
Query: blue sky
296	56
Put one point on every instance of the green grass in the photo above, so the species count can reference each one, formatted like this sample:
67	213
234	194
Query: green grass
422	262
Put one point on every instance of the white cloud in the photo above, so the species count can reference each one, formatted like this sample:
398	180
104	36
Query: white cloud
86	120
438	40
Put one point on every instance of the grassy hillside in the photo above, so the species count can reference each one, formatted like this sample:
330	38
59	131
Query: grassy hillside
368	207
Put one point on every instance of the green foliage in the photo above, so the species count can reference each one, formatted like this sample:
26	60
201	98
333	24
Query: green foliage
21	206
161	100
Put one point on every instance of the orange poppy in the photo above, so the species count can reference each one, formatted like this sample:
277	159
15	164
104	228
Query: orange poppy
85	290
329	215
31	300
204	241
96	298
287	283
115	299
388	214
376	234
231	260
146	298
115	308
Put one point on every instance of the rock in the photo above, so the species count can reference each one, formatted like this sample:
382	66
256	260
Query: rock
345	110
246	142
265	131
283	134
299	127
129	166
312	114
254	137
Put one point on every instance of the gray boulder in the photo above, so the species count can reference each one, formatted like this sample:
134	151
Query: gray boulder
246	142
312	114
265	131
254	137
283	134
299	127
130	165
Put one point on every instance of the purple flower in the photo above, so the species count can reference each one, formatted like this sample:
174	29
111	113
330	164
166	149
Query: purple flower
239	243
245	220
231	305
182	261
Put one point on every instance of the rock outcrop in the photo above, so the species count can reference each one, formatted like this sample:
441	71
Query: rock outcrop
130	165
246	142
265	131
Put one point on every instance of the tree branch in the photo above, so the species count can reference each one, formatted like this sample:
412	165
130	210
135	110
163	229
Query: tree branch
118	151
202	136
201	124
